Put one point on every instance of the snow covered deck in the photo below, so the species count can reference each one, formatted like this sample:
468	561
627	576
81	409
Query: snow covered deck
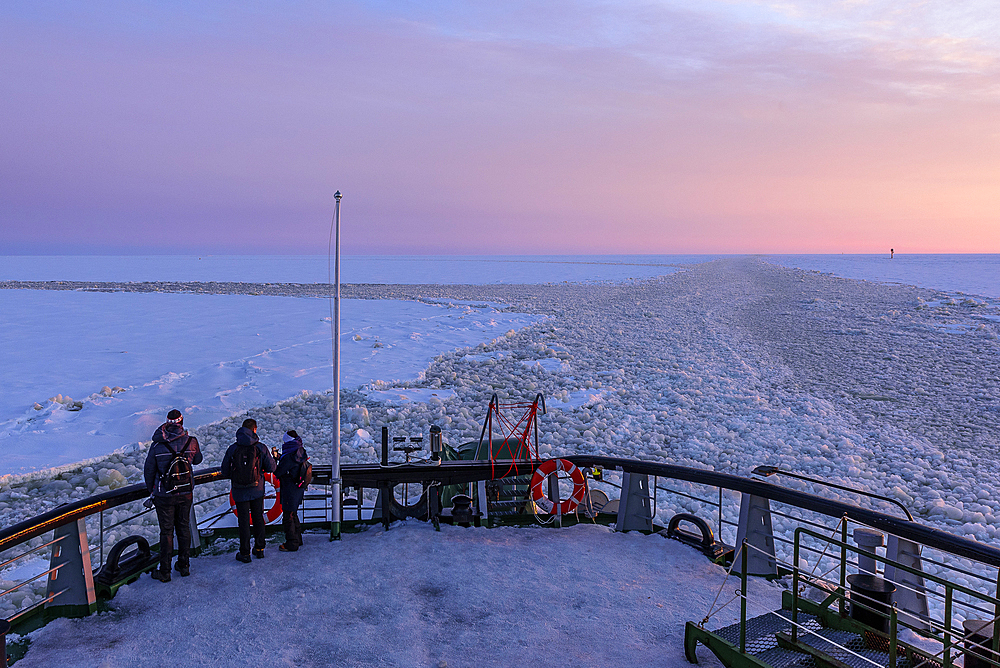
411	596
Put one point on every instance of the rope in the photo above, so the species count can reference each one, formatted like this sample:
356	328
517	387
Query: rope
711	609
833	536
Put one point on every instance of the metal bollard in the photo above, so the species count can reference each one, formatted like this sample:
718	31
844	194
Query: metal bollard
871	598
978	636
868	540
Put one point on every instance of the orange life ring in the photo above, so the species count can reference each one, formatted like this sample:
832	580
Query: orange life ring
547	468
272	513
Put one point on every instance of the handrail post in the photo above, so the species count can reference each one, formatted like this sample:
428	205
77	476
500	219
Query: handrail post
948	594
743	599
843	565
795	587
72	577
995	646
892	636
656	492
720	514
102	538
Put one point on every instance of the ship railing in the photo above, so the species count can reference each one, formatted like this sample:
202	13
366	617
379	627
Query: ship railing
741	506
962	620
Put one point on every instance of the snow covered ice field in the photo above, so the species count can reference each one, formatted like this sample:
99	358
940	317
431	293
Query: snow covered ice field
970	274
728	365
414	269
87	373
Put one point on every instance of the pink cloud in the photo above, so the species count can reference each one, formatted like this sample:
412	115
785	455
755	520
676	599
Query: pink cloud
570	128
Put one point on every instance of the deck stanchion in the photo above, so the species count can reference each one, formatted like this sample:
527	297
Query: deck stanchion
892	636
948	595
720	514
795	587
743	598
656	489
102	538
755	528
843	565
195	534
71	575
4	629
384	490
995	644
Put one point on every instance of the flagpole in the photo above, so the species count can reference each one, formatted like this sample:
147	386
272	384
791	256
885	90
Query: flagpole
335	482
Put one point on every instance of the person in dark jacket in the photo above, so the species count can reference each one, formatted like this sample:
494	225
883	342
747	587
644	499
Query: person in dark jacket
172	496
292	457
249	498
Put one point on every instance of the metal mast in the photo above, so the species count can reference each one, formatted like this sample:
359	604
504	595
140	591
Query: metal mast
335	454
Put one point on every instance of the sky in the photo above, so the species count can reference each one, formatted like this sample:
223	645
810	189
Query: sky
474	127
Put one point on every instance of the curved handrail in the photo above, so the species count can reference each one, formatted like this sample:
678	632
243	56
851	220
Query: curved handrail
36	526
907	529
766	471
457	472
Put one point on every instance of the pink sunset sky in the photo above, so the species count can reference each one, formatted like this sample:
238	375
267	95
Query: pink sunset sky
475	127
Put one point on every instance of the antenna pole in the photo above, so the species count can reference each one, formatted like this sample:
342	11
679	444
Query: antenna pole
335	482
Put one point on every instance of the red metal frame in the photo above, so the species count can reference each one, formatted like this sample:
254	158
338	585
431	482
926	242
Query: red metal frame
517	420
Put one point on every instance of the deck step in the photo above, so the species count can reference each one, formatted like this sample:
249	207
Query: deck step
850	649
760	635
779	657
768	639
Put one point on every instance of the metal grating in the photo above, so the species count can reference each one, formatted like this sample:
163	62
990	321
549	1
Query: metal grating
762	643
761	631
778	657
871	647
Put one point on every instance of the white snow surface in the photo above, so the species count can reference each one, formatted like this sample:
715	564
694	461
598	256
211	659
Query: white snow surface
580	596
87	373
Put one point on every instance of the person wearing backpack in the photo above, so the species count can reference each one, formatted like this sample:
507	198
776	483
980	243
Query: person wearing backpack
168	473
294	473
245	463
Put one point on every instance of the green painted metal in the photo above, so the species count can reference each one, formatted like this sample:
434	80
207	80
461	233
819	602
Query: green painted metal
892	636
843	565
730	656
107	592
949	594
831	619
786	641
795	593
743	599
996	615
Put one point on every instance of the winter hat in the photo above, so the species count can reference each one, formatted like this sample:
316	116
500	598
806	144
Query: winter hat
290	441
175	417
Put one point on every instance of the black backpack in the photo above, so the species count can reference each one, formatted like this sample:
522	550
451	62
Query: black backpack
244	470
179	475
305	475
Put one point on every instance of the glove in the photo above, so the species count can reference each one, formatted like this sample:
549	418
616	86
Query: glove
148	503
